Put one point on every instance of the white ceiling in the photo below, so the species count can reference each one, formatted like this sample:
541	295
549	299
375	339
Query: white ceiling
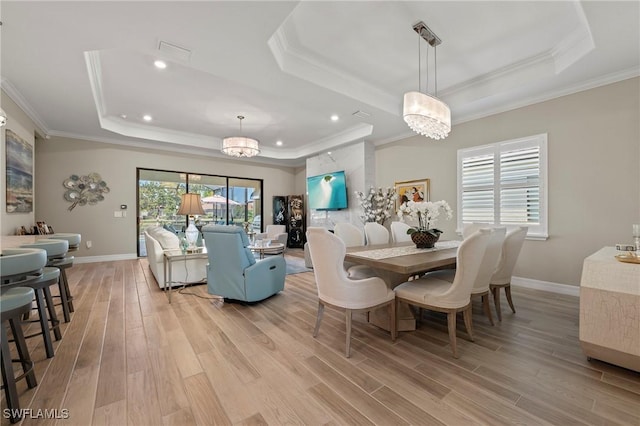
77	67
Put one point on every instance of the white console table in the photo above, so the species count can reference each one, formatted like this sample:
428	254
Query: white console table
610	309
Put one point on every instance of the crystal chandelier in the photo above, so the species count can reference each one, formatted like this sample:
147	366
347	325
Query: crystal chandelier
240	146
425	114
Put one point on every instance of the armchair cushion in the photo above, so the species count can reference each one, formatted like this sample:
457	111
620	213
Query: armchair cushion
275	233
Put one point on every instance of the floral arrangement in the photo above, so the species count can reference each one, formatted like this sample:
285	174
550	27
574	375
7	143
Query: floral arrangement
377	205
426	213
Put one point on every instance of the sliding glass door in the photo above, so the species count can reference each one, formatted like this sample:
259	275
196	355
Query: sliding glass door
225	201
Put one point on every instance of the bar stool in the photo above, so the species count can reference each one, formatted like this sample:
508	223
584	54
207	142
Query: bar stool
14	303
25	267
57	258
63	264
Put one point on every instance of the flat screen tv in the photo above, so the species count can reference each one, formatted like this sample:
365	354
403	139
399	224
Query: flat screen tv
327	191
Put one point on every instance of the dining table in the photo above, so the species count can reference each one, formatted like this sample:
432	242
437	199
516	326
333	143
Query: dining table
397	263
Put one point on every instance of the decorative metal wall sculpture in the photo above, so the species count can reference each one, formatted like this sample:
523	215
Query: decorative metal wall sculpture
84	189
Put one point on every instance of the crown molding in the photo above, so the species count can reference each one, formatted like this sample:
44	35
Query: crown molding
16	96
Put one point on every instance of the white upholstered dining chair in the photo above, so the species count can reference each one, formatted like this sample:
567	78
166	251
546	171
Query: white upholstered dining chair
442	296
487	268
399	232
502	276
351	235
336	289
376	233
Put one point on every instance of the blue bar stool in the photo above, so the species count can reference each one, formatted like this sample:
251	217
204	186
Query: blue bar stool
74	244
25	267
57	258
14	303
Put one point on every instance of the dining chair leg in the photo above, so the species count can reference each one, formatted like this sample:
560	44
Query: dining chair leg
496	301
348	321
451	319
487	308
394	319
318	319
507	292
468	321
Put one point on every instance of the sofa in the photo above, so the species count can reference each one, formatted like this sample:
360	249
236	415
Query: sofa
233	271
157	239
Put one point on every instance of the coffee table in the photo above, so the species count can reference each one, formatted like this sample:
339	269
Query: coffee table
273	248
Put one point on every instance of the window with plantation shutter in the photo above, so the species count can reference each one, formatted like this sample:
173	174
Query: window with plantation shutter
505	183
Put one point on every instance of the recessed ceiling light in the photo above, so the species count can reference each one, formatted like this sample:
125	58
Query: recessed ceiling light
123	116
279	143
147	117
334	117
329	152
160	64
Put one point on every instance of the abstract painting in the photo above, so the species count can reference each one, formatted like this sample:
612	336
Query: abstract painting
19	156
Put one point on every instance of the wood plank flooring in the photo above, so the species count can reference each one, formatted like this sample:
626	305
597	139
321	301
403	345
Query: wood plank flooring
130	357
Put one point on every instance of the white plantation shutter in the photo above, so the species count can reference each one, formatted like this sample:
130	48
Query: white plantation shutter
504	183
478	189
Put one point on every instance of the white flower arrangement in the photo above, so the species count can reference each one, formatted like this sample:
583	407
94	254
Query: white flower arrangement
377	205
426	213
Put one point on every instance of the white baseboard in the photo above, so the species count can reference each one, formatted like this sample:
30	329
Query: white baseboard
108	258
570	290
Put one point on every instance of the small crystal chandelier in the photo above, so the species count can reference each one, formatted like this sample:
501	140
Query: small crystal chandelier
426	114
240	146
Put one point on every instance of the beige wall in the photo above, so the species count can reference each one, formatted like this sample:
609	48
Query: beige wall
58	158
594	176
24	127
594	172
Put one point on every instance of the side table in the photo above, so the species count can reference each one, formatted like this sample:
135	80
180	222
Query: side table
175	255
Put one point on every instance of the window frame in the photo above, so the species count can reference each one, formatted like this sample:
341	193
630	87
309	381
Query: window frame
538	232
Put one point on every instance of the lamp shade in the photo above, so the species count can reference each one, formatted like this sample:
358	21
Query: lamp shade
427	115
191	204
240	146
3	117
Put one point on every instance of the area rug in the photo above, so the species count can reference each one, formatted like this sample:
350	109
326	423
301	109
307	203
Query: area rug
295	265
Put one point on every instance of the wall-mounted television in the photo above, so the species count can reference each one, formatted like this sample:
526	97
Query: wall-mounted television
327	191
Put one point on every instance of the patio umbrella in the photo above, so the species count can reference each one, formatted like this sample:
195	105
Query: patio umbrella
216	202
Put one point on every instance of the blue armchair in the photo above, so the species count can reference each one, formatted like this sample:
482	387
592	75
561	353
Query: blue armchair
233	272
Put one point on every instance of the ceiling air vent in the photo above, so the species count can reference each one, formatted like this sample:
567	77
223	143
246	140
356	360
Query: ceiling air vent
173	51
361	114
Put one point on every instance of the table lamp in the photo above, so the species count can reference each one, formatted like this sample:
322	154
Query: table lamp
191	205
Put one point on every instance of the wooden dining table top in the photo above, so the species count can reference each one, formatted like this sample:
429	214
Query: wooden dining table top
407	264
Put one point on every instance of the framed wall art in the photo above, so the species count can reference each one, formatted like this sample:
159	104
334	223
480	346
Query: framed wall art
412	190
296	216
280	216
19	155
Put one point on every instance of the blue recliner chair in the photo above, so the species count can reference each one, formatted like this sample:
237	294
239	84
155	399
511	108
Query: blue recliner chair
233	271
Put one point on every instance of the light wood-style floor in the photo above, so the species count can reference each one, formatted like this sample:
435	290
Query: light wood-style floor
130	357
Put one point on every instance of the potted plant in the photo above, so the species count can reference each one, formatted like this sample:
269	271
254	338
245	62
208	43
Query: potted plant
426	214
